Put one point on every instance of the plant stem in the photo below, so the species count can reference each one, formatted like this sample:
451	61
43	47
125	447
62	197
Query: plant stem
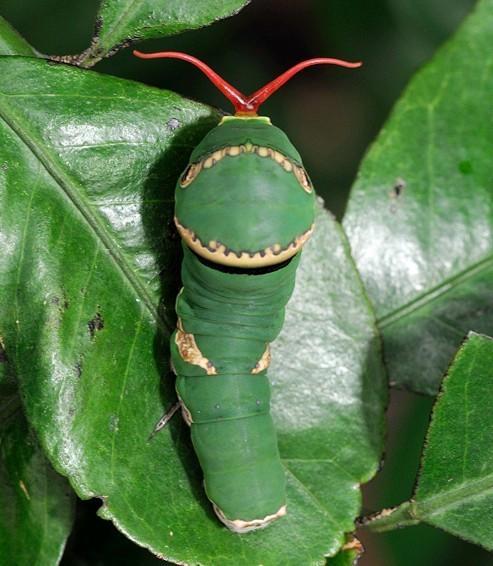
389	519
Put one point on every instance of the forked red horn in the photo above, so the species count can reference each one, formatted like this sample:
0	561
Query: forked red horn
247	105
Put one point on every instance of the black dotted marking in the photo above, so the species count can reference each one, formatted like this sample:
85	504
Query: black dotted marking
95	324
398	187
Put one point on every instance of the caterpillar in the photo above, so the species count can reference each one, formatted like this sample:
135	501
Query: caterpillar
244	208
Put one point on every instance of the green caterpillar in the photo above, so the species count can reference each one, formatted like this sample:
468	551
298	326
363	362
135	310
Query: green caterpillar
244	209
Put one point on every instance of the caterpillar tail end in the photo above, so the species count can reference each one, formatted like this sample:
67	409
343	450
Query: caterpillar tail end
239	526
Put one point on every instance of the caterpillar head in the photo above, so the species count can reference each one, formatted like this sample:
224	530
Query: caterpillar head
245	199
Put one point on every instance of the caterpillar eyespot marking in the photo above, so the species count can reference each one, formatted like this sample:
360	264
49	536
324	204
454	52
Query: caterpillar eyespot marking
244	208
221	254
209	161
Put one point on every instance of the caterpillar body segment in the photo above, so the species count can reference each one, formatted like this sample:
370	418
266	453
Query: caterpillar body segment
230	310
229	410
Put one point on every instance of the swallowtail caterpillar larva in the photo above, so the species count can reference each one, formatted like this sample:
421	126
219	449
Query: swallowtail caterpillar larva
244	209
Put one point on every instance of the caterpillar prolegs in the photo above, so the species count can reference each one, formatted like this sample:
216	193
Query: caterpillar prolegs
244	208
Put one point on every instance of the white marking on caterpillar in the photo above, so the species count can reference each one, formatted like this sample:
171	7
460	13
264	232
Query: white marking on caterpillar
217	252
211	159
240	526
264	361
190	173
190	352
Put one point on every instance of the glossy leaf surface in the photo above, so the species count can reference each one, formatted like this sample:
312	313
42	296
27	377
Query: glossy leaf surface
92	163
455	484
122	21
36	514
420	216
36	511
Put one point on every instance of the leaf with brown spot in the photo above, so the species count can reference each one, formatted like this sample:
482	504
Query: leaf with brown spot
425	251
90	205
37	508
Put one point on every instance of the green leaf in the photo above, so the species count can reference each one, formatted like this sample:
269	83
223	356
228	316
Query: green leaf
37	504
349	555
12	43
86	203
121	22
455	486
328	389
420	215
37	509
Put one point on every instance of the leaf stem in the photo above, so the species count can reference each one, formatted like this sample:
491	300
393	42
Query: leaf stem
88	59
389	519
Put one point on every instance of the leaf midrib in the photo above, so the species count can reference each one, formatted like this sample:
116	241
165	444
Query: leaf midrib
72	189
441	502
433	293
416	510
321	506
106	40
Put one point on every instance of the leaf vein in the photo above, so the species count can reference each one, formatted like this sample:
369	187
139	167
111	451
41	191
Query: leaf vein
457	495
122	392
20	263
428	296
315	499
72	189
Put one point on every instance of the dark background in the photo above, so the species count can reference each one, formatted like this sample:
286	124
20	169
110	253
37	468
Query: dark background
331	116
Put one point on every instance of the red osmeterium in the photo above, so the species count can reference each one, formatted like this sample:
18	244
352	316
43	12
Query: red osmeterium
246	105
238	99
262	94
